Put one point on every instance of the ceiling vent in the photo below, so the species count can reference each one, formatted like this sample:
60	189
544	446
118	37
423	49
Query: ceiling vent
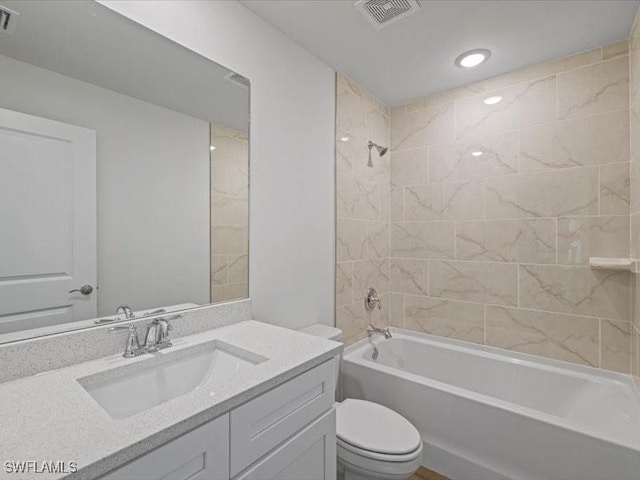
382	13
237	78
8	20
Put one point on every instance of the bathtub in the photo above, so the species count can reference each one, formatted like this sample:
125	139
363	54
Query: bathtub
488	414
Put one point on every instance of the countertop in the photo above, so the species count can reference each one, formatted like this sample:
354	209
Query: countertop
51	417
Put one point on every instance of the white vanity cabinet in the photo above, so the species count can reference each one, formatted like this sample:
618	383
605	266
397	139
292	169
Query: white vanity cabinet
202	454
287	433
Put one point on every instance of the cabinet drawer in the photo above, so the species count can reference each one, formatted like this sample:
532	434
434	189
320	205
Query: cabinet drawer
265	422
202	454
310	455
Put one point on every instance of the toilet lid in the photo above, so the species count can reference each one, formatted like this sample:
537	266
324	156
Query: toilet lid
375	428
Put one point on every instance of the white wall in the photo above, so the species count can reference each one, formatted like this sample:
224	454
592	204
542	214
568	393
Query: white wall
292	169
153	171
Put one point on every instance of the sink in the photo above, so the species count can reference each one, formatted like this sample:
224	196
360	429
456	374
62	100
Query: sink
140	387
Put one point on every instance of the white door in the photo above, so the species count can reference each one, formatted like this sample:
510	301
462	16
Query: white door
47	222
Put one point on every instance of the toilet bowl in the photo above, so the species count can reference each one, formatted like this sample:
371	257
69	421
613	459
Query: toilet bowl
373	441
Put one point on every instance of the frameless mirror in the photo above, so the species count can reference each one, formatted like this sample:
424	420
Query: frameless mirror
124	172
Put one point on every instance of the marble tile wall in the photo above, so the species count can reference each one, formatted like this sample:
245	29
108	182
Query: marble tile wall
362	230
494	248
634	119
229	214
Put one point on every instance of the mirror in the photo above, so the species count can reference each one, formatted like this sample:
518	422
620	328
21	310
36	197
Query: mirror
124	172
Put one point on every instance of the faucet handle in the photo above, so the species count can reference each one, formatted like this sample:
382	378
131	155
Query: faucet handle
132	347
127	328
371	299
164	326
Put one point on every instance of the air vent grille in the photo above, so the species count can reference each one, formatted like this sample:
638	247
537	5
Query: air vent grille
8	20
381	13
239	79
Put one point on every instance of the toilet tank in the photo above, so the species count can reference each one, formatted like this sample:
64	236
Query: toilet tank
330	333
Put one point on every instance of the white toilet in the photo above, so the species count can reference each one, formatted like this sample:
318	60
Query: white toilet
374	442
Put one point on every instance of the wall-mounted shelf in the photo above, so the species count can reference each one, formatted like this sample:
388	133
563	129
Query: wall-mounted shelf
607	263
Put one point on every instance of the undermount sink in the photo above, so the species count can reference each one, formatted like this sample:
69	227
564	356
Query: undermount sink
140	387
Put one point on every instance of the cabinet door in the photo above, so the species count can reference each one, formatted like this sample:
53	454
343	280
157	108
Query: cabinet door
202	454
309	455
273	417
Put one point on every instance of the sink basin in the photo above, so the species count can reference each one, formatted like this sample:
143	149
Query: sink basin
134	389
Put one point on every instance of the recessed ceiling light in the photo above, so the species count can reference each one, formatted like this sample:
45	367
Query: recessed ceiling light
344	138
472	58
477	153
212	148
492	100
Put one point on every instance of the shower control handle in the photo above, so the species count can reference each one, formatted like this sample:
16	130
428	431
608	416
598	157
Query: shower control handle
372	300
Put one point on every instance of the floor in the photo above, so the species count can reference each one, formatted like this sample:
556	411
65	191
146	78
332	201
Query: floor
425	474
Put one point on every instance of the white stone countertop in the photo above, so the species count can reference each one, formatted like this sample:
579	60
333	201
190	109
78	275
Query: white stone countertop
51	417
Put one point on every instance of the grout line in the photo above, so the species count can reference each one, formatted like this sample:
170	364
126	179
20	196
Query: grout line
599	189
557	241
515	219
518	146
600	342
455	240
484	198
496	262
511	130
455	119
503	176
557	96
518	282
514	307
485	324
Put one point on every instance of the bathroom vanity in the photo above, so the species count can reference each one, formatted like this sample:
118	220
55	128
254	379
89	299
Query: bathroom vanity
245	401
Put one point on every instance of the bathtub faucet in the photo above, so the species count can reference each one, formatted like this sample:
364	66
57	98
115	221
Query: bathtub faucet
371	330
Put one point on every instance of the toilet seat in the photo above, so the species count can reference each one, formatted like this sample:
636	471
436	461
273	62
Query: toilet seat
376	432
383	457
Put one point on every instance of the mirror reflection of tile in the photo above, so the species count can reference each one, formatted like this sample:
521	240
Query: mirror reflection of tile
229	214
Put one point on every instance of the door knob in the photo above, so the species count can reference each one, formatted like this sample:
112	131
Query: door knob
84	290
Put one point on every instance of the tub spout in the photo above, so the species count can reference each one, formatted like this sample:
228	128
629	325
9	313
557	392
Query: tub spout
371	330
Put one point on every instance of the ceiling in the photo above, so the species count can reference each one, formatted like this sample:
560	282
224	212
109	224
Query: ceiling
413	57
89	42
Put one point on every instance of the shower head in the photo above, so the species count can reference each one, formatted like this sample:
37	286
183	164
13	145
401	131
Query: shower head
381	151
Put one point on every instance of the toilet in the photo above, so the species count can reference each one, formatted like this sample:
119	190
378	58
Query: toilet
373	441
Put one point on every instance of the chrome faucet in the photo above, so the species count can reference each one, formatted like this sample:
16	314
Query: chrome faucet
128	312
151	338
156	338
371	330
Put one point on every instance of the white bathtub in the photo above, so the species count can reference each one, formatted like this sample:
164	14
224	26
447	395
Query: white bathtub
488	414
